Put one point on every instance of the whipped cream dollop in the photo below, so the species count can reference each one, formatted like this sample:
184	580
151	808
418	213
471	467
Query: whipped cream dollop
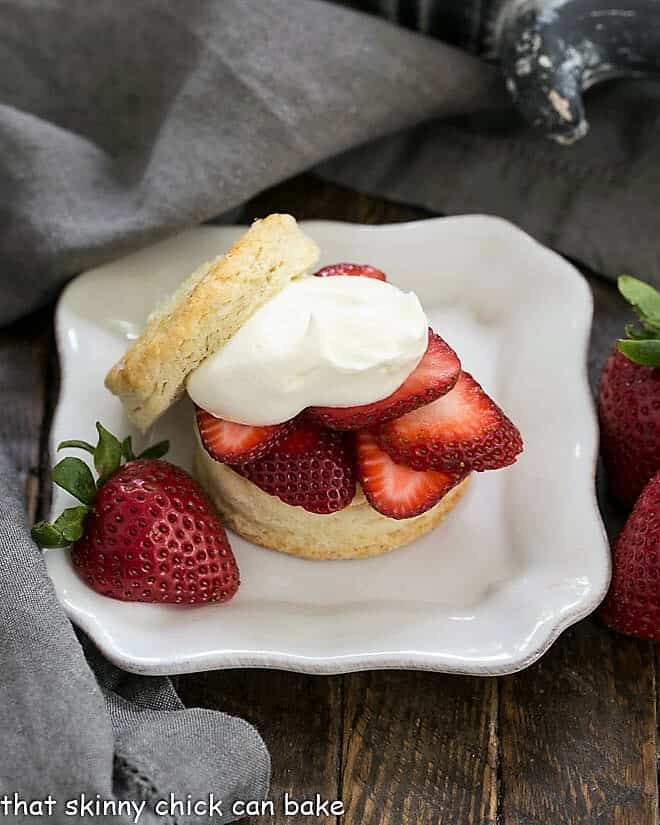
331	342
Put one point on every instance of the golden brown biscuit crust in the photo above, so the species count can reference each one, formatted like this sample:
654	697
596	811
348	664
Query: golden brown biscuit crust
205	312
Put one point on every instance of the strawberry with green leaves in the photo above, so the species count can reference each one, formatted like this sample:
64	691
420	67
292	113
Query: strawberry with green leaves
629	397
144	530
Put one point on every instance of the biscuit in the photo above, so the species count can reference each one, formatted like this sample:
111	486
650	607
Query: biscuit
205	312
356	532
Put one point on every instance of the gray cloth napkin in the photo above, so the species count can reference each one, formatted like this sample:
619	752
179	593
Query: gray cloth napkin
120	123
124	122
595	201
63	734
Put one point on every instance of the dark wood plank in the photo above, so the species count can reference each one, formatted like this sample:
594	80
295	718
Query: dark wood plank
308	198
24	373
577	734
571	740
299	718
419	749
578	730
574	737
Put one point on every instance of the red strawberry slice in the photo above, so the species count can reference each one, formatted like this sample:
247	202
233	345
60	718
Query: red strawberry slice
393	489
464	430
237	443
434	376
359	270
311	467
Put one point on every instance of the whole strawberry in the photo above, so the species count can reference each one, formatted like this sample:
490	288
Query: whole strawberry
145	532
632	605
629	398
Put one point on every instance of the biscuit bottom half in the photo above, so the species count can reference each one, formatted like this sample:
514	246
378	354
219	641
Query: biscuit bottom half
355	532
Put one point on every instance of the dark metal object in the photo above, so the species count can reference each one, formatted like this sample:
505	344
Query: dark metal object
551	51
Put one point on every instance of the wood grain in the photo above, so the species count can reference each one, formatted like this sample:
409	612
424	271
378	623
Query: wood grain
571	740
419	749
578	730
308	198
578	734
299	718
24	368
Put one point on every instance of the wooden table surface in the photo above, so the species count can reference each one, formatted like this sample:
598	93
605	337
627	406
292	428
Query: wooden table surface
570	740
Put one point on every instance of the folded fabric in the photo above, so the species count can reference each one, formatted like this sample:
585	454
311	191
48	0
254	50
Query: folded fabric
122	123
103	150
130	740
595	201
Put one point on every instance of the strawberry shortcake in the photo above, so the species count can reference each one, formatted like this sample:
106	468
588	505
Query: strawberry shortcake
330	420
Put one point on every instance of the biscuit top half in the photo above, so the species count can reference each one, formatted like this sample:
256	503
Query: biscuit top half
209	307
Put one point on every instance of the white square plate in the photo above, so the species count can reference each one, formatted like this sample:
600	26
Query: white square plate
522	557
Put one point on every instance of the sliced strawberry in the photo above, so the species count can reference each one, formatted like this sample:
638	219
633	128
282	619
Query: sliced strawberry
464	430
393	489
311	467
359	270
237	443
434	376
